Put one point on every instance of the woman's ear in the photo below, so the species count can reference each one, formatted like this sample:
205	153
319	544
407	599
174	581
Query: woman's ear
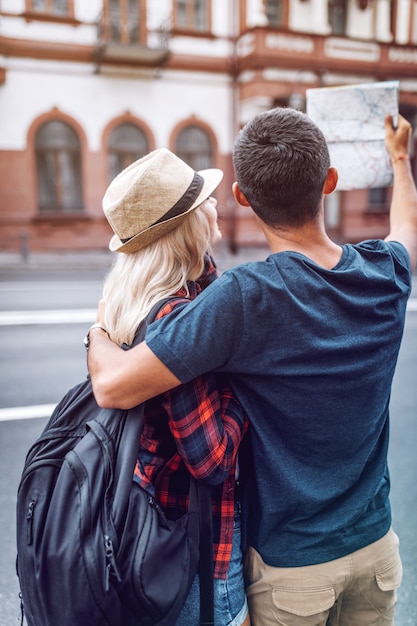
239	196
331	180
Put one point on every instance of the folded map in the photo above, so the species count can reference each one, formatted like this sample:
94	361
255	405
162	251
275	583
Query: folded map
351	118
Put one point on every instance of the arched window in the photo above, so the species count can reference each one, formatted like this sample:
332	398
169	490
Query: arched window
127	143
193	145
58	167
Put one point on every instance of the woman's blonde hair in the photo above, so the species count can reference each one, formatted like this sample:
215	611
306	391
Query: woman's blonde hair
140	279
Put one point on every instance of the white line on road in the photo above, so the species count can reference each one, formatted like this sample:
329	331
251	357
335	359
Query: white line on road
61	317
75	316
26	412
53	286
71	316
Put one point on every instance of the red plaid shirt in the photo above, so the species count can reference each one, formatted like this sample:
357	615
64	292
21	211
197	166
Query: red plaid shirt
195	428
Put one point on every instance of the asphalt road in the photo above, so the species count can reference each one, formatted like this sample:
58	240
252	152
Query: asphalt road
39	362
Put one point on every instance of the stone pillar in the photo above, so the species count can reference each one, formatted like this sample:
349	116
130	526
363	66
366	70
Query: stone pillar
255	13
403	22
382	20
320	16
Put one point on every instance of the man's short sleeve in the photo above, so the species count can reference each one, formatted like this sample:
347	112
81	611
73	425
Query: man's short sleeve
203	335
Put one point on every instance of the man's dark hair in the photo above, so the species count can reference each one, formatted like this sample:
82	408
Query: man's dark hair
281	161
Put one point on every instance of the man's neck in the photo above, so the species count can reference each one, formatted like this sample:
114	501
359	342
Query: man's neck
311	240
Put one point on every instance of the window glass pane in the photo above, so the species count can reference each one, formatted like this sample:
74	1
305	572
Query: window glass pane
274	12
377	195
56	135
70	187
115	20
60	7
58	165
414	27
39	5
193	145
127	143
377	199
124	21
133	21
181	12
192	14
201	15
45	167
337	16
56	7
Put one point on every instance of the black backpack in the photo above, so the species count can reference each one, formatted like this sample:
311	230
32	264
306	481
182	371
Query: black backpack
93	548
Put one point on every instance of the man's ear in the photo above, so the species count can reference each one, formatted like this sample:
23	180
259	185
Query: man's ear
331	180
238	195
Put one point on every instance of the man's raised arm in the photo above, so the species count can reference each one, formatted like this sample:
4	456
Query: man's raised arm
122	379
403	212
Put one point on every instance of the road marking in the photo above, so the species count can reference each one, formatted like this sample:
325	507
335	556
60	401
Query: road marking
76	316
61	317
51	286
26	412
69	316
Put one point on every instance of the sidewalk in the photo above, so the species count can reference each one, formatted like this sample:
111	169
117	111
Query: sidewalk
13	265
94	265
55	260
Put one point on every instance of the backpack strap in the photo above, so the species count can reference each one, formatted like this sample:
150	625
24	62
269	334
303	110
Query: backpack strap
199	499
206	565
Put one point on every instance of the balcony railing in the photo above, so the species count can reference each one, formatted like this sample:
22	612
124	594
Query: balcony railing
125	40
270	48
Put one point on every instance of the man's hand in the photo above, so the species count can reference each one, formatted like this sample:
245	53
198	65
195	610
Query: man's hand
397	141
124	378
403	211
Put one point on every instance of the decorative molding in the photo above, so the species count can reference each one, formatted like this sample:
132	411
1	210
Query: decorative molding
37	49
402	55
33	16
295	76
198	64
290	43
246	44
61	218
340	48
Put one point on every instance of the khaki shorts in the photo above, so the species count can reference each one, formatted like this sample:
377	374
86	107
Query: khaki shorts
356	590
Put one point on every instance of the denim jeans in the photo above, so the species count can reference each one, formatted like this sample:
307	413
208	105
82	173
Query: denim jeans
230	606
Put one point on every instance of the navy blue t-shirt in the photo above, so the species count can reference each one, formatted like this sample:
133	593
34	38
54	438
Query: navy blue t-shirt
311	353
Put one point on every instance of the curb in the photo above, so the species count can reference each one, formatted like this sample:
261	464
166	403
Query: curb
102	260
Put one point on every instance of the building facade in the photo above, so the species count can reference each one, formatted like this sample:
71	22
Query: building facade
87	87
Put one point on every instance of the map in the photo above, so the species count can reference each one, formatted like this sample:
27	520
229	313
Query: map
352	120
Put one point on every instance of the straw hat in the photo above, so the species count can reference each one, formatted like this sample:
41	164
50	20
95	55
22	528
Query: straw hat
152	196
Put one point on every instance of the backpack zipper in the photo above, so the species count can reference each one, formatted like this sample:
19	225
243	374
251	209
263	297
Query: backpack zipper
29	521
111	563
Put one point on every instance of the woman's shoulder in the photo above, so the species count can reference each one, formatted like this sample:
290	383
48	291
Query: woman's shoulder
171	304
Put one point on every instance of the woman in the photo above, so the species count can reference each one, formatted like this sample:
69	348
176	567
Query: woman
165	222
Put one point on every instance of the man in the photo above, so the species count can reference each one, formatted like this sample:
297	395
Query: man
310	337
